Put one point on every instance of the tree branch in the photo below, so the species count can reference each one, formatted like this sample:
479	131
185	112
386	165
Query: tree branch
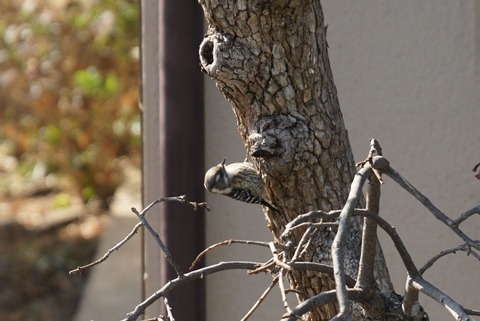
308	218
392	173
465	215
472	312
455	309
319	267
383	224
226	242
169	310
338	245
411	296
321	299
188	277
166	252
260	299
180	199
462	247
365	279
283	292
81	269
304	242
157	238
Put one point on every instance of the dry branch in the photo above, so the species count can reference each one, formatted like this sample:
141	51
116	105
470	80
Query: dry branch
462	247
455	309
365	279
81	269
319	300
260	299
226	242
168	308
338	245
188	277
431	207
465	215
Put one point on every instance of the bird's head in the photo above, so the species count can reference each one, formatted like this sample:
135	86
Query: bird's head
217	179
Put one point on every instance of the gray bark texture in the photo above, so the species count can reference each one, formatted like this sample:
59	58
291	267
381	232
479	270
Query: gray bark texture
269	59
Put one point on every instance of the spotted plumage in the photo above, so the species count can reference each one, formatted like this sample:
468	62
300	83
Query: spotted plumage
240	181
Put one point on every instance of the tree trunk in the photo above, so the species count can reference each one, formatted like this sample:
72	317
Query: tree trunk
270	60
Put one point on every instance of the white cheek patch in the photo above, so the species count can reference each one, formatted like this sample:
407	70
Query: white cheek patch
227	190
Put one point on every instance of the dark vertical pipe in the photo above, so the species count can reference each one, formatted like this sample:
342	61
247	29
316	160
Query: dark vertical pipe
174	148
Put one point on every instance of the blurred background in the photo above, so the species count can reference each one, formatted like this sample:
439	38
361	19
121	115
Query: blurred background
69	137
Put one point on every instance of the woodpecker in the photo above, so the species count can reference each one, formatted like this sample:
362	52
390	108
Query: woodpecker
240	181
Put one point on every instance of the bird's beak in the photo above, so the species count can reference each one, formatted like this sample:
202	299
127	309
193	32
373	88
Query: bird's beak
223	164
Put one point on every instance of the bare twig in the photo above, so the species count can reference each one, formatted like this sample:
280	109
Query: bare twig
307	218
397	241
311	224
455	309
307	266
180	199
303	244
462	247
375	148
159	241
475	169
369	237
226	242
276	259
169	310
431	207
188	277
260	299
472	312
321	299
81	269
465	215
283	292
319	267
305	248
390	230
411	294
338	245
141	216
267	266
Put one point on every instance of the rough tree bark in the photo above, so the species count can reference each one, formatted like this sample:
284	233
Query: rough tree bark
269	59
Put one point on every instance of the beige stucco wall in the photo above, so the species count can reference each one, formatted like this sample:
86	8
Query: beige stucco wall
407	73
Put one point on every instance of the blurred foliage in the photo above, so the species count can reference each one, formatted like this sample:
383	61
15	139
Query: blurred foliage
69	88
